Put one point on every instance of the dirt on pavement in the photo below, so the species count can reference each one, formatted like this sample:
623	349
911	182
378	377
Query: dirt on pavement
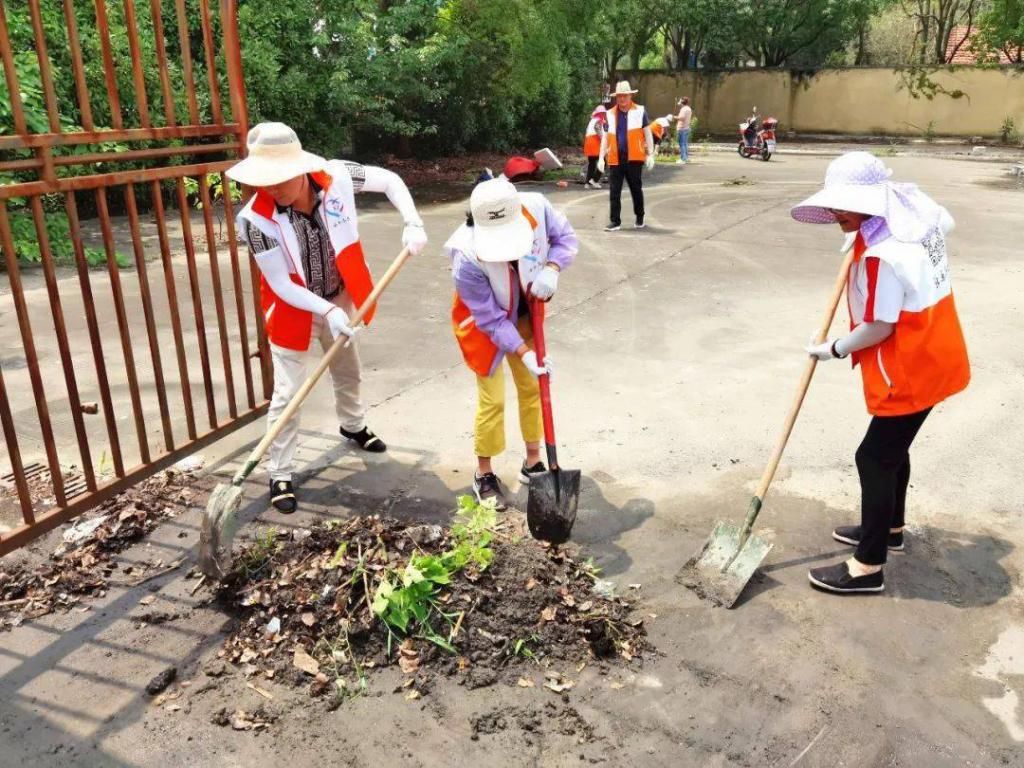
679	347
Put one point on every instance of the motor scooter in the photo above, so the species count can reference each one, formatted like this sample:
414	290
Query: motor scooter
757	141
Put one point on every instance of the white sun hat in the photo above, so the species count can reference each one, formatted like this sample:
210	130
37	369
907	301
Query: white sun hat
858	182
500	229
275	155
622	87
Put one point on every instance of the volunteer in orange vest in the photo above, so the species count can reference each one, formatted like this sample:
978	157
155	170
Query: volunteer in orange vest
905	336
301	228
627	147
592	145
659	129
512	246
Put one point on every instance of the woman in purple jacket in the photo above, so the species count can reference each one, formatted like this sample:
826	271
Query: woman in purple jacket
512	248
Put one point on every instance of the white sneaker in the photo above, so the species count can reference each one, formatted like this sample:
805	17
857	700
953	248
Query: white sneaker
680	162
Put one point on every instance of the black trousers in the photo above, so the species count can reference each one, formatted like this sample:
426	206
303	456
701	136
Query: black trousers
632	174
592	173
883	462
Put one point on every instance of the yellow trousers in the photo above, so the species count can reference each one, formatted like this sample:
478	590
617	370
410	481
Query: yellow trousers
489	434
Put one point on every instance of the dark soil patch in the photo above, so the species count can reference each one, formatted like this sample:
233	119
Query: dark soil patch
304	612
83	565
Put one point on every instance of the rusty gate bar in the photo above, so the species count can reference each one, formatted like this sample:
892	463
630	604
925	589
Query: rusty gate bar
141	100
203	148
197	301
218	296
94	333
172	303
122	323
28	342
147	311
110	73
156	14
77	67
57	311
236	281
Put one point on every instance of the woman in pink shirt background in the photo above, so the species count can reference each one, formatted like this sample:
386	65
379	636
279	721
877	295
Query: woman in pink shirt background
683	129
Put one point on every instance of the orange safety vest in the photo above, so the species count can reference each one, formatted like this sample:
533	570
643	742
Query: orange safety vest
592	141
924	360
657	130
635	141
479	351
288	326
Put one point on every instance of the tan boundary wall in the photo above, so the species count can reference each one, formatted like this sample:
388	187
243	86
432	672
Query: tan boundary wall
847	101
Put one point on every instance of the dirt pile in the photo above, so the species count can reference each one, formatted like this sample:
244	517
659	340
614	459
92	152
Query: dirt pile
84	562
479	601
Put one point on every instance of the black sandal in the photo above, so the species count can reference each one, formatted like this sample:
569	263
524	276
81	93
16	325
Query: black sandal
282	496
366	440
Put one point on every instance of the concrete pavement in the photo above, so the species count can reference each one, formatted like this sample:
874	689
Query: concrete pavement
678	350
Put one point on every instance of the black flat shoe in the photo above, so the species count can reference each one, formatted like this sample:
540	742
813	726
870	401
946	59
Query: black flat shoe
837	578
282	496
526	473
366	440
851	534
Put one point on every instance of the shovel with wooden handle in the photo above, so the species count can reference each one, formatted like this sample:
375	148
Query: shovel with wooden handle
220	519
721	568
554	495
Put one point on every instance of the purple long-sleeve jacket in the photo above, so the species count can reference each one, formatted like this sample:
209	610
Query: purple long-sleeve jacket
475	290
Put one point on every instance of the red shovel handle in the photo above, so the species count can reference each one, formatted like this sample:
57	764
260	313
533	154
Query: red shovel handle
537	320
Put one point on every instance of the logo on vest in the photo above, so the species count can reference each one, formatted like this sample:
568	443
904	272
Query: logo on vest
334	207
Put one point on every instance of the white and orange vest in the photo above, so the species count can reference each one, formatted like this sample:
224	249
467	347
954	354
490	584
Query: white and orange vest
924	360
478	349
592	140
288	326
636	142
659	128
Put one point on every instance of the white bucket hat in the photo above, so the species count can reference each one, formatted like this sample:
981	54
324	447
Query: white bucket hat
858	182
500	230
622	87
275	155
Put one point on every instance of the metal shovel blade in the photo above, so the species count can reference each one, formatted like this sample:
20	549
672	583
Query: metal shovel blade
721	568
551	506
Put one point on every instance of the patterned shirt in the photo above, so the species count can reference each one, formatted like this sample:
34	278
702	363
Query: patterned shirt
322	276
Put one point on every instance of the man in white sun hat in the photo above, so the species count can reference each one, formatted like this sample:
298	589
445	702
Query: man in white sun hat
301	228
627	147
513	246
905	336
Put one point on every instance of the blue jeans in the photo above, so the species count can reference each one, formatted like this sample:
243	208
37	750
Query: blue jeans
683	135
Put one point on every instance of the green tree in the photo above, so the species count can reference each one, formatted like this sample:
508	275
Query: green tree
1001	31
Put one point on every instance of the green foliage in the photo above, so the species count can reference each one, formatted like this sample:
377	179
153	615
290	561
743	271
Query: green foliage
1008	132
26	246
406	599
1001	31
254	559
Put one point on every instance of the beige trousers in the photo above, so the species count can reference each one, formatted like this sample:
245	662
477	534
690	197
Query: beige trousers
290	371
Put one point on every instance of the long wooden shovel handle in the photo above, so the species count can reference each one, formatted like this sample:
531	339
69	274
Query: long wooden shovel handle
805	382
307	387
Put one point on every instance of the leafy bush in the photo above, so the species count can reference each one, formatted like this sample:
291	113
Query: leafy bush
406	599
26	247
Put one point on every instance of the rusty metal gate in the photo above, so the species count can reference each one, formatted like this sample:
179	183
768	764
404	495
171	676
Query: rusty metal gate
154	340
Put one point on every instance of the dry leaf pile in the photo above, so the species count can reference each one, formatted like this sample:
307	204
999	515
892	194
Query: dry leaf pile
83	563
305	608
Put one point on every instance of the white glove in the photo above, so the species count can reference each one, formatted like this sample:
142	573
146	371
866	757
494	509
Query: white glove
821	351
600	164
545	284
649	163
414	237
535	368
337	321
